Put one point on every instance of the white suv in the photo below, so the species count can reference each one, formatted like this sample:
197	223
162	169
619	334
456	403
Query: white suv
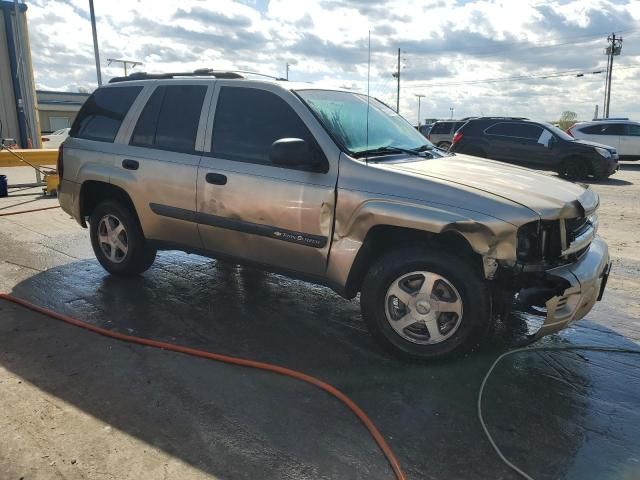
623	135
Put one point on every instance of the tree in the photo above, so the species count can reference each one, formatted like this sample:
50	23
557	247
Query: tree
567	119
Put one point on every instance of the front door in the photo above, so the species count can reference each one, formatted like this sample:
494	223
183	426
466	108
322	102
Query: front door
251	209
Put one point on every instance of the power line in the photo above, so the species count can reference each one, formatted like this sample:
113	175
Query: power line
543	76
484	52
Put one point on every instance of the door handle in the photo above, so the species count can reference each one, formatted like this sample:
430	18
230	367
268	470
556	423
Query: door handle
130	164
216	178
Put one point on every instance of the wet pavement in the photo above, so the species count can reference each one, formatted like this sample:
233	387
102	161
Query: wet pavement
78	405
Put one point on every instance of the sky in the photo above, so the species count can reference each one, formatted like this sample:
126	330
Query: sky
461	55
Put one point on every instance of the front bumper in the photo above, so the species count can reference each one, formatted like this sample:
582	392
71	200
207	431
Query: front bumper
587	278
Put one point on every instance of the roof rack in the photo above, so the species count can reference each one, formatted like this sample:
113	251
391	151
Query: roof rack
201	72
502	118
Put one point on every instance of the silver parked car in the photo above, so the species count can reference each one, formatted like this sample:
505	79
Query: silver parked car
288	177
442	132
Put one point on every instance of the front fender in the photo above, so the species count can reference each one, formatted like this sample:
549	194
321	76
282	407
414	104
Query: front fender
356	216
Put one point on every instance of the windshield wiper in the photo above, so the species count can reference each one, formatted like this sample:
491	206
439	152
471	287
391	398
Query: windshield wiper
393	149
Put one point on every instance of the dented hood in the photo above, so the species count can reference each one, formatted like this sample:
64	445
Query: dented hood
549	197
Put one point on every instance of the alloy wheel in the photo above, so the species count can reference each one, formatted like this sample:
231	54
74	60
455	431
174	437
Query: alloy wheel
423	307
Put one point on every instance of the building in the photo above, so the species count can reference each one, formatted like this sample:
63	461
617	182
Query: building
18	109
57	110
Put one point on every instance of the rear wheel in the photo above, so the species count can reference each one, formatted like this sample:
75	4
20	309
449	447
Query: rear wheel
118	241
574	169
422	305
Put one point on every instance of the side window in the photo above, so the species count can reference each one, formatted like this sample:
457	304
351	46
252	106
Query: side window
528	131
249	120
170	118
503	129
101	115
592	130
442	127
613	129
634	130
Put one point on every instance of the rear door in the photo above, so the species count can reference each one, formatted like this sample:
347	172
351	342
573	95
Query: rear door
630	141
160	165
500	141
532	145
251	209
604	133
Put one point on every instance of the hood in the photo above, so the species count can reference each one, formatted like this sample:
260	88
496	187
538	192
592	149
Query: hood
587	143
547	196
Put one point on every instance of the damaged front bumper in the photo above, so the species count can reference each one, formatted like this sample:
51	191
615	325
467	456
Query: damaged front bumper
586	279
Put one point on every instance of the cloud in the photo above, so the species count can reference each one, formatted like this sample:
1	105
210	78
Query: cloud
442	42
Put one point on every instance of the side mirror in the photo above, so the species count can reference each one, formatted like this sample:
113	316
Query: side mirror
290	152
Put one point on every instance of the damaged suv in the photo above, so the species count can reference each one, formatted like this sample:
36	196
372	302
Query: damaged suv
335	188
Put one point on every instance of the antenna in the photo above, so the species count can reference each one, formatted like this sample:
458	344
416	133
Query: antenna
366	159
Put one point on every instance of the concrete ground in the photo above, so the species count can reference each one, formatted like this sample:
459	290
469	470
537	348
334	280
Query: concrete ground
76	405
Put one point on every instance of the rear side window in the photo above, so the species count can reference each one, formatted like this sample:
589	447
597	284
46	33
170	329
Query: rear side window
170	118
101	115
503	129
249	120
613	129
444	127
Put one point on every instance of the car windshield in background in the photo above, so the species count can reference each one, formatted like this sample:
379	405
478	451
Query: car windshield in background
559	132
344	115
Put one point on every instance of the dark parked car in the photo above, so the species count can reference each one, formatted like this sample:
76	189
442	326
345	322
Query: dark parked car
535	144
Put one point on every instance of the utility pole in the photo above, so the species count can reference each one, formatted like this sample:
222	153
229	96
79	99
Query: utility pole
287	71
398	74
96	52
420	97
133	63
451	110
613	50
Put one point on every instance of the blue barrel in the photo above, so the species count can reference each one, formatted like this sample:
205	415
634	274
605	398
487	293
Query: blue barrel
4	187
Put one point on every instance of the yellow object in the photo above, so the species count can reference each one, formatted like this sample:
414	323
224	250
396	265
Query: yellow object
51	180
35	156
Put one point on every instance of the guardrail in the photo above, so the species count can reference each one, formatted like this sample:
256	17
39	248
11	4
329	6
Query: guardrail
33	157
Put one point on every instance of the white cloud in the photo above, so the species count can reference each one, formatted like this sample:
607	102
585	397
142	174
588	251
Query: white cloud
442	42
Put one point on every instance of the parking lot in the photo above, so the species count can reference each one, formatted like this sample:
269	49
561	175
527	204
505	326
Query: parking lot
76	405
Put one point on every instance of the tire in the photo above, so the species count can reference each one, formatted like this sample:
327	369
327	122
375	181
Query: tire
600	170
574	169
125	253
444	145
450	276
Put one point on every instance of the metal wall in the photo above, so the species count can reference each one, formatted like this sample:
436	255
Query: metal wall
18	106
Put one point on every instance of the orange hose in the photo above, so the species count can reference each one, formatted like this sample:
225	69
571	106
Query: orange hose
331	390
28	211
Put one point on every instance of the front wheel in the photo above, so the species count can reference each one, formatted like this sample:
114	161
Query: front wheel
421	304
574	169
118	241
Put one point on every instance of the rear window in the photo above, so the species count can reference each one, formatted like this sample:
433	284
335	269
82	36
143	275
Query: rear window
170	118
443	127
591	129
101	115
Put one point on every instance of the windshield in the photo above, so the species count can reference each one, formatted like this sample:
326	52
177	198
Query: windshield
344	115
560	133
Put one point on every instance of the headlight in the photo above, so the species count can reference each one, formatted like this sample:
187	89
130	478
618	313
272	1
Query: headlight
528	241
603	152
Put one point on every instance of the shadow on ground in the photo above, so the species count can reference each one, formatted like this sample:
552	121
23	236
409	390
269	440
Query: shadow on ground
557	415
